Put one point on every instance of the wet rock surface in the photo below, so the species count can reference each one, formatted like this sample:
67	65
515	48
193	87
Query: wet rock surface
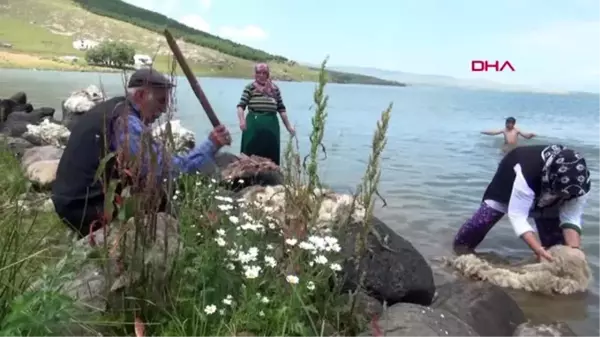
407	319
485	307
396	273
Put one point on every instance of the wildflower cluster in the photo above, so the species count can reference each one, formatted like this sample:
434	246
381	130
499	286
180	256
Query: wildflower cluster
242	269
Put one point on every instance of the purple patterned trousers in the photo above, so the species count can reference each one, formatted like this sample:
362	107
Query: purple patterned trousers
472	232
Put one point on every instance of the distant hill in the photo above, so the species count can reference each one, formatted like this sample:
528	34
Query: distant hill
157	22
438	80
46	29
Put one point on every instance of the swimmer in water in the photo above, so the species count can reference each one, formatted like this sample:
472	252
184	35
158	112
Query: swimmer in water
511	134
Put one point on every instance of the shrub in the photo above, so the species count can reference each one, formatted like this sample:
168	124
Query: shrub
111	54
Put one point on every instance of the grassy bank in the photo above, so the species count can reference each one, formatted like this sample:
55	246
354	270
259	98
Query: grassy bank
239	272
42	31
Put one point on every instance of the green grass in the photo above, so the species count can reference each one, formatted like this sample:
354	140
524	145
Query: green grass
210	289
46	29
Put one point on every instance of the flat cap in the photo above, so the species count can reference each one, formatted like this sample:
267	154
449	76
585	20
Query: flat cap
149	77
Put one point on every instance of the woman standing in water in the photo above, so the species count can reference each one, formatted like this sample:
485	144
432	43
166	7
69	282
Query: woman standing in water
548	183
260	127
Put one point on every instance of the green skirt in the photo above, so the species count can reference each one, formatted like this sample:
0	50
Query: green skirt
262	137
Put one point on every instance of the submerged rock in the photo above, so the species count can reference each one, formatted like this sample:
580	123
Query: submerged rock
556	329
487	308
407	319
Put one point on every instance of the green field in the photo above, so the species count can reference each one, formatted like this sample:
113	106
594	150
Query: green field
42	31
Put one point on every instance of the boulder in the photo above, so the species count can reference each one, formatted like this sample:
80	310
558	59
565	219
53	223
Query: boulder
183	138
80	102
40	153
407	319
17	146
6	108
366	306
485	307
19	98
555	329
396	273
17	102
42	173
23	108
16	123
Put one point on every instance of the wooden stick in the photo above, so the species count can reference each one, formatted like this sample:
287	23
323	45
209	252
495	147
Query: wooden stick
192	79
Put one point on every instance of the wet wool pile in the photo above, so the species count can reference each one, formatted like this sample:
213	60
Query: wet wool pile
568	273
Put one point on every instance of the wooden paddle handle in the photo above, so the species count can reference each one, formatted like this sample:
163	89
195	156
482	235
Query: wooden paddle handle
192	79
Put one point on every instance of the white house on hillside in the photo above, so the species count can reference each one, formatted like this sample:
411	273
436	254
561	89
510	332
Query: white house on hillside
83	44
141	61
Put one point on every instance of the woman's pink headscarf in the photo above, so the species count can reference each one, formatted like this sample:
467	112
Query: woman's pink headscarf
263	85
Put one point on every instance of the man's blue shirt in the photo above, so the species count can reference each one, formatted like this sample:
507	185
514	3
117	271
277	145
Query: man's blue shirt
179	163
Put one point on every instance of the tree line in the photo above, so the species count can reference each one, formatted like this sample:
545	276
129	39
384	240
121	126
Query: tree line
156	22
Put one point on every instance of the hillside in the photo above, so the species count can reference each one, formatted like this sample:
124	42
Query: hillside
42	31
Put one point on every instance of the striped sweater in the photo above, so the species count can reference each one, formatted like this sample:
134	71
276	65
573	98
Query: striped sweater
258	102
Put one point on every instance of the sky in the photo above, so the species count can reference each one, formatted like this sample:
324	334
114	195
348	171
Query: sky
551	43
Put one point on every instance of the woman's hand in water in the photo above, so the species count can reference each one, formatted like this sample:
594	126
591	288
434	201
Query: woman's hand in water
543	254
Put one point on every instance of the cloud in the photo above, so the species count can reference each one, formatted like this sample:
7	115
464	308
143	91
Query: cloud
206	4
562	36
567	51
196	22
241	34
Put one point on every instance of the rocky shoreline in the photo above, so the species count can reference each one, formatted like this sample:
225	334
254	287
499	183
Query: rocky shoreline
399	292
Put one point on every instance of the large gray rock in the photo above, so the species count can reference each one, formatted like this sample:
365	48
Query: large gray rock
16	122
485	307
407	319
556	329
401	275
40	153
17	146
17	102
19	98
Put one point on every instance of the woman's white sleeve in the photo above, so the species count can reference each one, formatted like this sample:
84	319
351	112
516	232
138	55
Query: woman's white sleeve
571	211
519	205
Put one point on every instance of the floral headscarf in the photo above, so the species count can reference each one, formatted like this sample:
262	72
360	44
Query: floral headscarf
264	86
565	172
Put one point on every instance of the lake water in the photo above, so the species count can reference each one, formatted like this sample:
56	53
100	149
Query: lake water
436	164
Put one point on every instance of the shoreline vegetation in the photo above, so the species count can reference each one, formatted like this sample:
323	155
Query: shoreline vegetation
13	60
39	34
225	267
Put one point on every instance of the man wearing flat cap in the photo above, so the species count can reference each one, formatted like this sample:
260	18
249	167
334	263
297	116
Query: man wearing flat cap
121	125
